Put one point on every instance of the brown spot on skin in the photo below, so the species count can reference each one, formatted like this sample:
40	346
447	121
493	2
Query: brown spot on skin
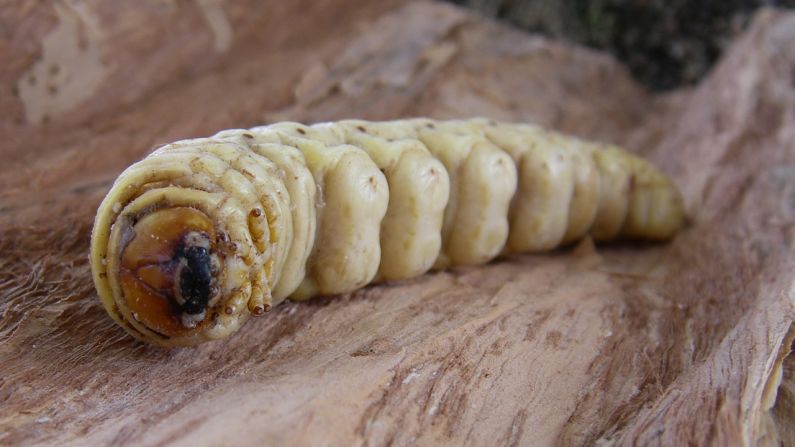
361	129
248	135
301	131
430	126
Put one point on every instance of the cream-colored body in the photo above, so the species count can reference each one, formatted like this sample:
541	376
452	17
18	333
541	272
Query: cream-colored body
326	209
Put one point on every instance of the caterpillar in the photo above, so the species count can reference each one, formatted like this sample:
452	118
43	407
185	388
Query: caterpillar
203	233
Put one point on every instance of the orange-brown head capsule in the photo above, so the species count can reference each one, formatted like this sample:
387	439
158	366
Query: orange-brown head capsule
169	270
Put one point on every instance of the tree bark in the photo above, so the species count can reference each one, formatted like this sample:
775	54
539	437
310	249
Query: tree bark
672	344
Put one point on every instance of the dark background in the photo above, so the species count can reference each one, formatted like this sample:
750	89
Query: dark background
665	44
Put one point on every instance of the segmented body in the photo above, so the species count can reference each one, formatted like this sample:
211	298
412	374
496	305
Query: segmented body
290	210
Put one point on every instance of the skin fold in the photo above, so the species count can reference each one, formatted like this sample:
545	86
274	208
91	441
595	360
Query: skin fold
201	234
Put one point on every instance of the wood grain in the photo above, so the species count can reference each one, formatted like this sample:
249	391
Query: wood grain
676	344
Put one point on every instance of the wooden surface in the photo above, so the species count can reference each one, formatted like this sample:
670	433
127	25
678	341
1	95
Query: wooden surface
675	344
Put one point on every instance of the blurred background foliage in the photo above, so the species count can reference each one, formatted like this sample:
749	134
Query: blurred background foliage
665	44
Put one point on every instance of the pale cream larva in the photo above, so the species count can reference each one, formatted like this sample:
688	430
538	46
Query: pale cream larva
201	234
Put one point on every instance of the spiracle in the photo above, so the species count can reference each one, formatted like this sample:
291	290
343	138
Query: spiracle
203	233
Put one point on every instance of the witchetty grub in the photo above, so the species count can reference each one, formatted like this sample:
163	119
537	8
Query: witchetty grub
201	234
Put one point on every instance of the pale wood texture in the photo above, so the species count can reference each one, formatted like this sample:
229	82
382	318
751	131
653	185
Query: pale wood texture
674	344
